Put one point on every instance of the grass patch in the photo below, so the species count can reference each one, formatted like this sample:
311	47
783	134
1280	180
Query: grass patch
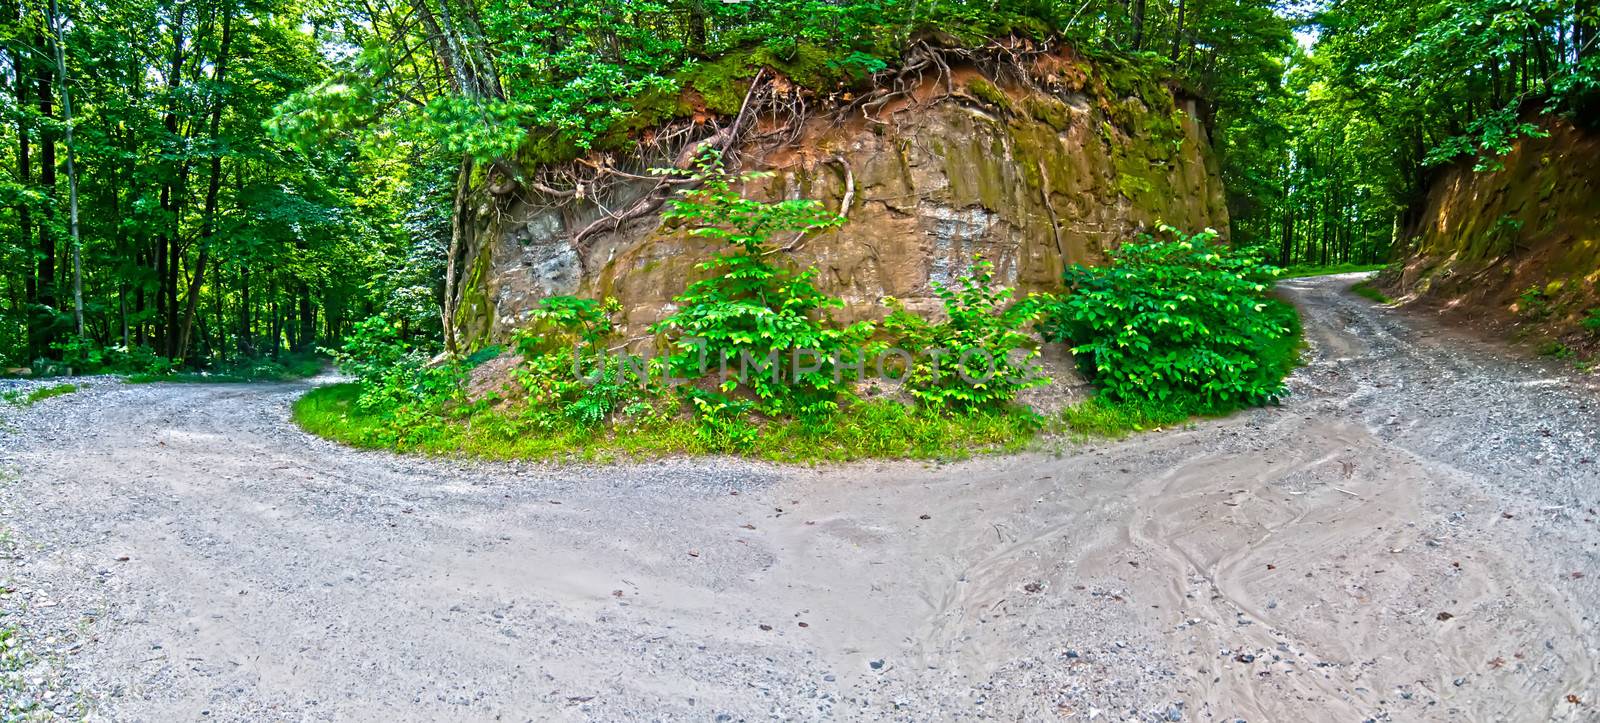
39	395
1099	417
865	430
1300	272
1366	290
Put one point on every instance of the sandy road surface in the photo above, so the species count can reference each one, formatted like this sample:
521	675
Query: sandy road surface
1412	537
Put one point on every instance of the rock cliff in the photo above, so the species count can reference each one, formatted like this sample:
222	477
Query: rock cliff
1519	243
1044	164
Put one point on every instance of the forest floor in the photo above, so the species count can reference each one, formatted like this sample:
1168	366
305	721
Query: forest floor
1411	536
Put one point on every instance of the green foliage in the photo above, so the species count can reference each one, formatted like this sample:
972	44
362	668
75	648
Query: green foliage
1177	319
1533	303
39	395
1327	167
751	314
85	356
285	367
868	430
395	378
979	357
1557	350
1488	137
567	373
1367	290
1592	321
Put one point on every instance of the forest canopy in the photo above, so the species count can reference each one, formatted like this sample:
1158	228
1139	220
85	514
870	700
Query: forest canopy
203	182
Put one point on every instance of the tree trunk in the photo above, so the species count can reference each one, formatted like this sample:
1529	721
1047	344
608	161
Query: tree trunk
457	221
72	173
47	178
1138	25
1177	35
167	241
308	321
30	286
209	215
246	340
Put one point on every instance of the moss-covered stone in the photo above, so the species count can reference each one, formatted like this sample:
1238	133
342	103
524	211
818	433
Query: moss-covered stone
1033	190
990	94
1049	111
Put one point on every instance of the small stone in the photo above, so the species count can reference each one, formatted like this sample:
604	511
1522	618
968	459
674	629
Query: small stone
1460	682
876	665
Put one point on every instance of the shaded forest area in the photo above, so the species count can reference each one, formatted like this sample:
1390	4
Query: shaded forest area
204	182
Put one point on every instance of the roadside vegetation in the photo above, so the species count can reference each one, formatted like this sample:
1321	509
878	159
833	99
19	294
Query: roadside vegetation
1303	271
751	362
1368	290
22	398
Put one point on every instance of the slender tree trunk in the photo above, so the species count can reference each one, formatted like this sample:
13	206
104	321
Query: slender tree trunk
209	215
167	241
1177	35
72	173
1138	25
30	285
246	340
47	177
457	222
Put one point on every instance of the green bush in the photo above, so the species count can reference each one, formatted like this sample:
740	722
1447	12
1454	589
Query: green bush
567	371
1592	321
979	357
1534	303
1556	350
1183	318
394	378
751	314
84	356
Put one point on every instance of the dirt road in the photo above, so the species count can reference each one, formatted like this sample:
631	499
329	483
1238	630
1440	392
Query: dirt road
1413	536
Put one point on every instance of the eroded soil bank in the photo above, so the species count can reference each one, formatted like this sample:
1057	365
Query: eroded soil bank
1412	536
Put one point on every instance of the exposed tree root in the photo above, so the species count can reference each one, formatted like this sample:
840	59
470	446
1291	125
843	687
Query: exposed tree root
772	116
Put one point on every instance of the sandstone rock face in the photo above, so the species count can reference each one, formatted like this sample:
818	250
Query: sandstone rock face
1487	237
1032	176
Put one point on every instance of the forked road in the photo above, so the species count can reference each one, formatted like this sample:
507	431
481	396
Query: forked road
1412	535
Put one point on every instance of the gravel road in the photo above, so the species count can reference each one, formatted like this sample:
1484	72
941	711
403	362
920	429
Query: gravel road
1412	536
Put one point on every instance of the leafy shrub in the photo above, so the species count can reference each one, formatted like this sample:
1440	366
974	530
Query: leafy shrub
979	358
1592	321
1488	137
1556	350
1178	319
394	377
566	369
1533	303
85	356
751	314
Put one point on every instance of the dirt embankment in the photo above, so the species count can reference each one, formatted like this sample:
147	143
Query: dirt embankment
1035	159
1515	249
1411	536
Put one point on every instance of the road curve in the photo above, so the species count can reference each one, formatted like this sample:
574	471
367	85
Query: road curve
1411	536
